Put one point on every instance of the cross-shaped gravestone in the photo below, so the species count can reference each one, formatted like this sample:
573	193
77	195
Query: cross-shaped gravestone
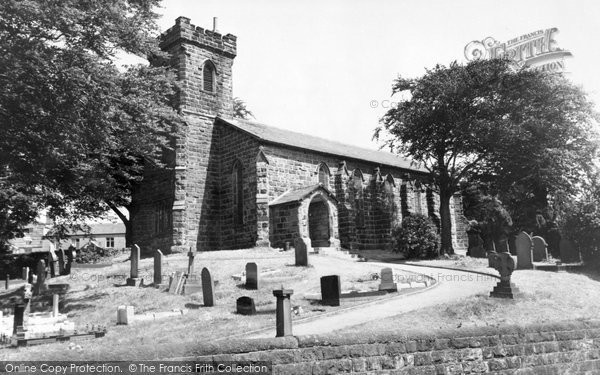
208	285
191	255
524	247
251	276
505	265
134	279
387	280
331	290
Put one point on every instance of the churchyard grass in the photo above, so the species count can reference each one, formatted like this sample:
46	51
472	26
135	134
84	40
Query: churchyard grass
548	297
97	292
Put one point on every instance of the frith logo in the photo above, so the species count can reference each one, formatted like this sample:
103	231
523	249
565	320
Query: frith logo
537	50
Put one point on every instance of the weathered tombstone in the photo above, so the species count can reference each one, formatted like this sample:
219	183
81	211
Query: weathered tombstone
524	246
61	261
540	249
283	312
134	279
387	280
55	301
40	283
191	255
245	306
18	317
26	274
158	258
125	314
52	261
568	251
301	247
251	276
176	282
208	292
331	291
504	263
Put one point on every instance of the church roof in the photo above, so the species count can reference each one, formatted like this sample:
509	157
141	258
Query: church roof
300	194
309	142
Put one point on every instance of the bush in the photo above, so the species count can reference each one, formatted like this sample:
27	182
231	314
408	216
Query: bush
417	237
582	224
91	253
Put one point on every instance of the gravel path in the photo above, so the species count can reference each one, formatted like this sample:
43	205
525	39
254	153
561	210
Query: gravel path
452	285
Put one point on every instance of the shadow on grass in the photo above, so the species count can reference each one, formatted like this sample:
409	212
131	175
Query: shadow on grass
82	303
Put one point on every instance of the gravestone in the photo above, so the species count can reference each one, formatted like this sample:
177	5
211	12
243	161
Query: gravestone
283	312
125	314
26	274
245	306
176	283
134	279
524	248
191	255
387	280
540	249
71	255
55	301
251	276
52	261
301	247
158	259
331	291
568	251
208	285
40	283
19	315
61	261
504	263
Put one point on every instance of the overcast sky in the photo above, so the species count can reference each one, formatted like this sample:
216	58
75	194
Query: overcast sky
320	67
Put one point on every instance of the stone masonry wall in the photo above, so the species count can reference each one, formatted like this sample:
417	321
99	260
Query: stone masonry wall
567	348
290	168
235	145
196	168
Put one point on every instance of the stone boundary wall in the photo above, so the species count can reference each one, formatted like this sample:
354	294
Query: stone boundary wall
564	348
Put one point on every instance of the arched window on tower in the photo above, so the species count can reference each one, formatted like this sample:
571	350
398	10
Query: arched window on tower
208	76
324	175
359	199
237	184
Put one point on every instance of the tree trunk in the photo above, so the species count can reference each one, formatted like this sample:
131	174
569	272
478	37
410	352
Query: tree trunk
125	221
446	247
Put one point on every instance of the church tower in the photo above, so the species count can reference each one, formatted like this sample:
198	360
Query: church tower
177	209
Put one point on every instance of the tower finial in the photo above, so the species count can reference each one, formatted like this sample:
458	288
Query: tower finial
215	25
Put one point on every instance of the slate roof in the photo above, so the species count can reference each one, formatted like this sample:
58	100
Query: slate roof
312	143
104	228
298	195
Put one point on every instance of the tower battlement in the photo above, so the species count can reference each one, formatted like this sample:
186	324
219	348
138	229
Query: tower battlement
199	36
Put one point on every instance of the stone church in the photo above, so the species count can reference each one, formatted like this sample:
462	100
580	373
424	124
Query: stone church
233	184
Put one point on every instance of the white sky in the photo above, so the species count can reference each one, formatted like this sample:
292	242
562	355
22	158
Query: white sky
315	66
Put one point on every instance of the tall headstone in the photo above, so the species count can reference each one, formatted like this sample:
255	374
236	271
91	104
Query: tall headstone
134	278
283	312
158	259
208	285
331	291
524	247
61	261
18	317
569	253
191	255
245	306
540	249
387	280
26	274
251	276
55	301
52	261
301	247
40	283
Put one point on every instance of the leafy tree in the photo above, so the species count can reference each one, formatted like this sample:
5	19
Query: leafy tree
75	130
240	110
477	122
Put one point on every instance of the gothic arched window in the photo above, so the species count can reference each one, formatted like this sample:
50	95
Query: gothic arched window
359	199
208	76
237	184
324	175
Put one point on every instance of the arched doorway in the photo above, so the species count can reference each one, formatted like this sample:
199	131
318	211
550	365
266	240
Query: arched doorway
318	222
